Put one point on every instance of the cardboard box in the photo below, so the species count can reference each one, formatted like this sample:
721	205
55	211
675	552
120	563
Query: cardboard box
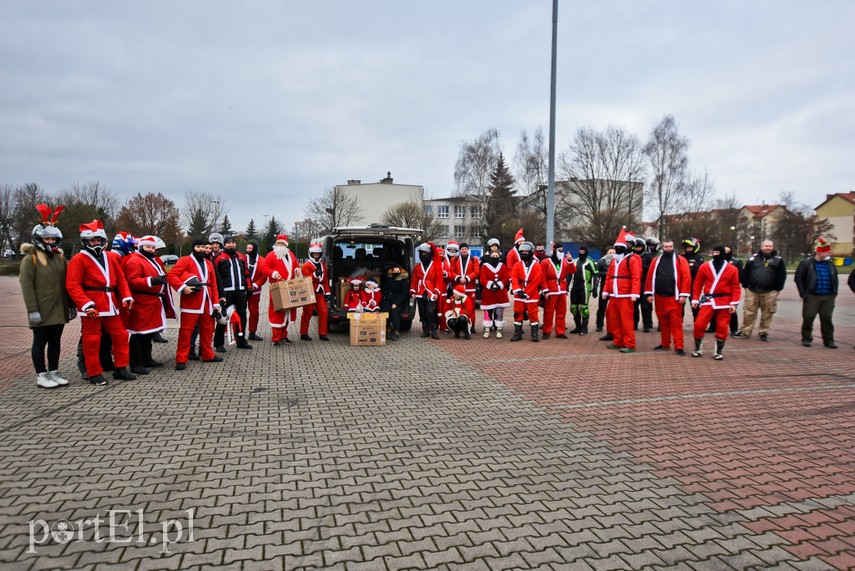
342	291
291	293
367	329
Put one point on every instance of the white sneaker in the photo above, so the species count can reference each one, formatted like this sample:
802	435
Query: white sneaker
498	333
486	333
58	379
45	381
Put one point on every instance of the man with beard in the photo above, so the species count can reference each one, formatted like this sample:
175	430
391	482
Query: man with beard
146	277
316	269
233	276
668	286
643	306
256	280
280	265
425	285
193	277
93	279
583	274
494	279
716	292
623	286
526	285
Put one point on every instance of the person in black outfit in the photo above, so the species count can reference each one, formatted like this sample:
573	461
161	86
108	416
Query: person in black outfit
642	304
395	285
602	270
233	275
690	252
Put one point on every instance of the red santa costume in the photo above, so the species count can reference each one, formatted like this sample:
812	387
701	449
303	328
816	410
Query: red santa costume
466	270
623	284
257	280
371	296
513	255
717	292
555	272
96	284
425	284
353	299
669	281
316	269
193	277
448	277
526	284
495	279
458	307
281	265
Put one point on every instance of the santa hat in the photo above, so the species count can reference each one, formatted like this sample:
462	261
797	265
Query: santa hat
823	247
49	216
282	238
519	236
316	249
356	282
150	240
94	229
624	237
459	290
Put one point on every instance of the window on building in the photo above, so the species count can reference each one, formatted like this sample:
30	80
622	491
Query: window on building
475	212
442	232
460	231
429	209
442	211
460	212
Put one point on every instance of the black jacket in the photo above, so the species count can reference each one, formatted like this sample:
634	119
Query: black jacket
764	274
851	281
806	277
394	291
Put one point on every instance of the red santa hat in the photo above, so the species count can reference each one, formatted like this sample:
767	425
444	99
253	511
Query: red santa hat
519	236
624	237
282	238
822	246
459	291
94	229
150	240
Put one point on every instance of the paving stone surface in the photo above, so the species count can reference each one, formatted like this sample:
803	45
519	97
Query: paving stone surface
452	454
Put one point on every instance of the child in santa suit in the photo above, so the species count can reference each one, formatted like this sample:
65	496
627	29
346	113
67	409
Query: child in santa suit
93	280
371	296
458	308
353	299
280	265
495	277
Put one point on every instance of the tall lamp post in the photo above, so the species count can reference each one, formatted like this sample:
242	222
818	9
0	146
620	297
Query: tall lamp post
550	189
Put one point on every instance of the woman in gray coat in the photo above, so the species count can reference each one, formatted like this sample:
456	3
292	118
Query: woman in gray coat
42	279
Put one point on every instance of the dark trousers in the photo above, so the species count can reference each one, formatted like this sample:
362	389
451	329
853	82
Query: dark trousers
394	314
602	304
140	347
238	299
822	305
645	308
427	312
47	336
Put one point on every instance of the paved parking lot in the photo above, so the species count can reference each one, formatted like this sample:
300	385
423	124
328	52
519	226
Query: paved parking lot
477	454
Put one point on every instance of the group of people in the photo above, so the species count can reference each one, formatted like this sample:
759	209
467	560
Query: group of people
124	296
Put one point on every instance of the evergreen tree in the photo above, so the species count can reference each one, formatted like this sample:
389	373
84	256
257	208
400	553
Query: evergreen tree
501	205
273	228
251	232
226	228
198	225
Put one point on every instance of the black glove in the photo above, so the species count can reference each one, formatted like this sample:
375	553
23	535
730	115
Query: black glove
158	280
521	295
327	297
494	286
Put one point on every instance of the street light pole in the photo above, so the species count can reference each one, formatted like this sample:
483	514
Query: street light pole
550	189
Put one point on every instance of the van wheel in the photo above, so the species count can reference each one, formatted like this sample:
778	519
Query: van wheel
406	325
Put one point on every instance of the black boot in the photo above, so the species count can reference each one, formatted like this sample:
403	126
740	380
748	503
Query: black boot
517	332
699	345
433	333
534	329
158	338
193	356
719	350
253	336
584	326
607	337
425	331
123	374
578	321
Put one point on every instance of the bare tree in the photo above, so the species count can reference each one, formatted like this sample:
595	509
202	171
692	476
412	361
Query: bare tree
476	162
331	209
7	214
531	162
151	213
24	214
604	171
798	229
411	214
307	230
202	212
698	193
666	152
96	195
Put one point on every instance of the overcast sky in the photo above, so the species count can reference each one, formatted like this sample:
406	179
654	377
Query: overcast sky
268	102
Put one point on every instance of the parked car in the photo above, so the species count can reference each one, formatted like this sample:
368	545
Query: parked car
169	259
367	251
9	254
